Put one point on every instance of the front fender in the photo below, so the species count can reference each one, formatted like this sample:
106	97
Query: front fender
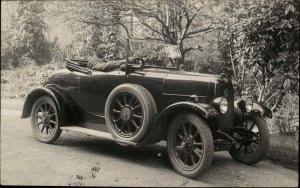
159	129
35	94
203	109
262	110
258	108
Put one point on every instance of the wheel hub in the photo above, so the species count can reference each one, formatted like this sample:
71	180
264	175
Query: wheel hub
188	144
46	119
126	114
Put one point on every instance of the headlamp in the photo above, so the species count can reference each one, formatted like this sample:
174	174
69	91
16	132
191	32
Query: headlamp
222	104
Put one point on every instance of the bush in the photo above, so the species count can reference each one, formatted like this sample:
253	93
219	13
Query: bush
284	129
286	119
17	83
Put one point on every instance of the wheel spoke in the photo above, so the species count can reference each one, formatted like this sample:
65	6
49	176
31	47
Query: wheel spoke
50	126
41	109
197	152
180	136
195	134
184	129
198	144
122	126
192	158
42	129
49	109
246	146
179	148
136	107
52	115
134	123
125	100
137	116
116	120
131	100
45	107
256	135
117	111
190	129
129	127
240	147
119	103
185	158
251	148
51	121
256	142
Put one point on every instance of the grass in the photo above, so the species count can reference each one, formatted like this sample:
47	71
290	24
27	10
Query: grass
284	150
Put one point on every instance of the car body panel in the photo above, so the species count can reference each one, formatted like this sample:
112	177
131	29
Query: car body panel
84	95
153	80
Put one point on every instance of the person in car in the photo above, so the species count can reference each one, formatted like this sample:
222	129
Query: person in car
97	62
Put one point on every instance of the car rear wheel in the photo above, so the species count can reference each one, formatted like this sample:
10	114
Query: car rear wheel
252	140
129	112
45	120
190	145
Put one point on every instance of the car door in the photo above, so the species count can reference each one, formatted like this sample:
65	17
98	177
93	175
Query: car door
95	88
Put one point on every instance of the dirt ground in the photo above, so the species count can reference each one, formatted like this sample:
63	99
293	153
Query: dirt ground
78	159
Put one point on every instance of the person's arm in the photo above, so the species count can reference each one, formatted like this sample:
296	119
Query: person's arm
105	67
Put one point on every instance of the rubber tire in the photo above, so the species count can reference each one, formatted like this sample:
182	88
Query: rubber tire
265	139
208	145
147	103
57	131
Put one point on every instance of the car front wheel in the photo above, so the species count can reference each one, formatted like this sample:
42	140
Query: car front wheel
252	140
45	120
190	145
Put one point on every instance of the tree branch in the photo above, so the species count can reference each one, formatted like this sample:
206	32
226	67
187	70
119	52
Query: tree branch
155	30
200	30
189	49
187	25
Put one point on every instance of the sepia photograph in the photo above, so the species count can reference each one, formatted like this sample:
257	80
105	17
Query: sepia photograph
150	93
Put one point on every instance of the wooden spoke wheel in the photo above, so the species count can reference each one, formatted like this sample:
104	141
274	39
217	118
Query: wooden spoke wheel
45	120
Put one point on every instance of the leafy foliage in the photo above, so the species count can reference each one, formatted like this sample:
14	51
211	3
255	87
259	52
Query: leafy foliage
17	83
28	38
264	49
86	20
286	119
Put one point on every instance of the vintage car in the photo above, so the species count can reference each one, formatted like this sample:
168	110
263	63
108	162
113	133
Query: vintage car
196	114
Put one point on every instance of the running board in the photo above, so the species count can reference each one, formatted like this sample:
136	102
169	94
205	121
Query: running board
99	134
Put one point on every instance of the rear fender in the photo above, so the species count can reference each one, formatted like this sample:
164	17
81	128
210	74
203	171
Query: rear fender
33	96
159	129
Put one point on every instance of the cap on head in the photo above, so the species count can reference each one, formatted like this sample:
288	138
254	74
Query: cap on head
100	50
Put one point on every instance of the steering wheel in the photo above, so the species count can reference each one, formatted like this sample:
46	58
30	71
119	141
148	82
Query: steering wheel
139	61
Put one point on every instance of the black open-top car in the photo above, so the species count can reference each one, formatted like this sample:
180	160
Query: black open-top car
196	114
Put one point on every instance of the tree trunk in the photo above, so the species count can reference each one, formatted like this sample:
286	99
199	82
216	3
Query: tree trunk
278	101
232	63
262	91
